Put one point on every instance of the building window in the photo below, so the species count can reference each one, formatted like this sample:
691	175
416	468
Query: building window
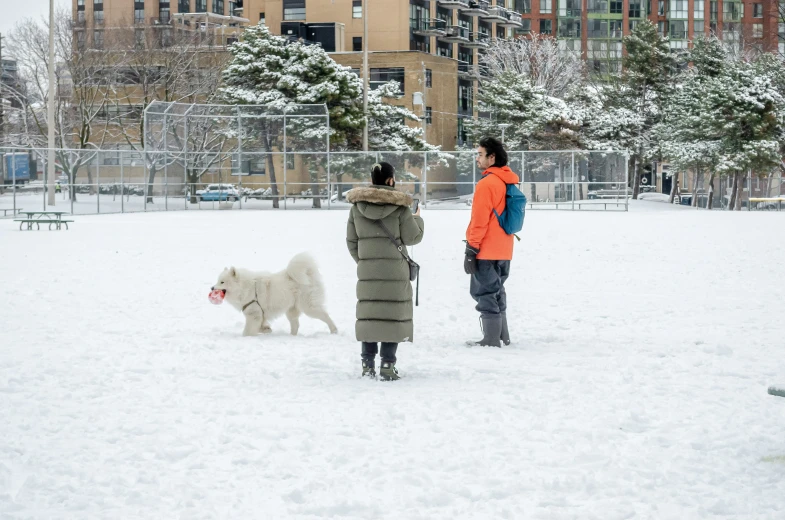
357	43
661	8
678	9
698	26
615	27
444	49
80	38
713	10
757	30
700	12
598	28
598	6
633	24
546	6
420	43
662	29
183	6
570	28
261	19
98	17
382	76
757	10
527	26
428	78
546	26
428	115
571	8
138	12
523	6
218	6
294	9
200	6
635	8
357	8
678	29
617	7
98	39
163	12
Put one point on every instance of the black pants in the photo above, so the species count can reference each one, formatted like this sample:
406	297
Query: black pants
388	351
487	286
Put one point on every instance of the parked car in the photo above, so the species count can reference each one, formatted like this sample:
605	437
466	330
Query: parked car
218	192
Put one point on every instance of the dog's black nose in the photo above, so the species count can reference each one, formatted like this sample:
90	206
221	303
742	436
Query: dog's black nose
212	288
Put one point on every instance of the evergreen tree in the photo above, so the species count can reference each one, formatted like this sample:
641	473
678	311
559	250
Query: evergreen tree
649	67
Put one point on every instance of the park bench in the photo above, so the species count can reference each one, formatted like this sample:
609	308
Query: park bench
53	218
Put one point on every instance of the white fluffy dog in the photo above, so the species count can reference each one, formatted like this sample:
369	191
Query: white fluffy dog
263	296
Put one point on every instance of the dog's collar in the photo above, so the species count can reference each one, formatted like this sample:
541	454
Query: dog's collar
256	300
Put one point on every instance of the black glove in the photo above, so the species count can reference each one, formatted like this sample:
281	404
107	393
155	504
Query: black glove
470	260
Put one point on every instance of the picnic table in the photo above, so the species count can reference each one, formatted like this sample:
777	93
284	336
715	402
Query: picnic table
13	211
53	218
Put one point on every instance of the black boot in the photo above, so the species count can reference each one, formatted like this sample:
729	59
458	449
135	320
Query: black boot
505	331
492	332
369	358
387	370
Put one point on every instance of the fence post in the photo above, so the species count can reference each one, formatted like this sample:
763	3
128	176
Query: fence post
98	182
285	189
13	178
122	186
329	183
240	153
425	180
572	159
627	181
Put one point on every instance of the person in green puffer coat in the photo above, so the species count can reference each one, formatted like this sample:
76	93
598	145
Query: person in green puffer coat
384	292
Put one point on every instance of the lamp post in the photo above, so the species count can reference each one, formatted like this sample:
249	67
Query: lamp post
50	111
504	126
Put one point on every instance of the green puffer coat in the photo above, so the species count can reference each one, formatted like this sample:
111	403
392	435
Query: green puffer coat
384	292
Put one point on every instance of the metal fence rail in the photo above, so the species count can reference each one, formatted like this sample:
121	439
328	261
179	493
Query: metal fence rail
121	181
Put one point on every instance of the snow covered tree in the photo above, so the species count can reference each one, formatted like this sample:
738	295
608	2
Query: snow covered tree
538	58
649	68
271	70
539	121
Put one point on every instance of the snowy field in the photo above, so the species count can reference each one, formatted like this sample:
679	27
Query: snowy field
635	387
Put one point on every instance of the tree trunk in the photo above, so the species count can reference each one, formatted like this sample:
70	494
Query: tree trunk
710	199
636	181
271	168
674	187
90	184
739	189
734	192
191	175
72	183
697	174
317	201
150	181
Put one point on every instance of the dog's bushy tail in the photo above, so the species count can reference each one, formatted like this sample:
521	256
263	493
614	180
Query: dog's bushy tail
303	270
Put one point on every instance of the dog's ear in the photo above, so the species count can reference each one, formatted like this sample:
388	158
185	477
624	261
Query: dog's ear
232	272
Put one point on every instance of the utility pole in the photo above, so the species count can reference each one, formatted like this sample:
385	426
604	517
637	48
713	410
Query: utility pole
50	110
366	78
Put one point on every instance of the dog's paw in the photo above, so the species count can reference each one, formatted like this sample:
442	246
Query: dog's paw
267	330
333	331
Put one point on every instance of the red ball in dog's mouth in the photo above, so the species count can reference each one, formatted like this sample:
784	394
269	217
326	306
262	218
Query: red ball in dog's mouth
216	296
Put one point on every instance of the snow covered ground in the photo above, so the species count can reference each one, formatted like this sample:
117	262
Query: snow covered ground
635	387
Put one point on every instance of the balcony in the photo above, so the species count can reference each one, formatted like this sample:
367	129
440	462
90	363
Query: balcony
468	71
495	14
513	20
433	27
161	20
454	4
477	41
476	8
455	34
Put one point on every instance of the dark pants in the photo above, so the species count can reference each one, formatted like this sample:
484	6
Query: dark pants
388	351
487	286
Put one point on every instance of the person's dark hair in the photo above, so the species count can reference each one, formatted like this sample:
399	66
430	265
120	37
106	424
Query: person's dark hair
495	147
380	172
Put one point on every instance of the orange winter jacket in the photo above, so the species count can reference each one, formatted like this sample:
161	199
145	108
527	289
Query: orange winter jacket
484	231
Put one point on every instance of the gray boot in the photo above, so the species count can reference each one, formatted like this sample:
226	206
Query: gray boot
505	331
492	332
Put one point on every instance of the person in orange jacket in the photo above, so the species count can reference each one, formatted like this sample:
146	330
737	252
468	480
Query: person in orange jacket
488	247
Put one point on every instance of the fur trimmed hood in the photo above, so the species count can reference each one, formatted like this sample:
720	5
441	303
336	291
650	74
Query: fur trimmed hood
379	195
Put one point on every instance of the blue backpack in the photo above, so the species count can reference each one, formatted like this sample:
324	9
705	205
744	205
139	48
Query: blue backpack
511	219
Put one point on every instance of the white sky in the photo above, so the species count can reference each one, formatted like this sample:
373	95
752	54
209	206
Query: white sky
12	11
